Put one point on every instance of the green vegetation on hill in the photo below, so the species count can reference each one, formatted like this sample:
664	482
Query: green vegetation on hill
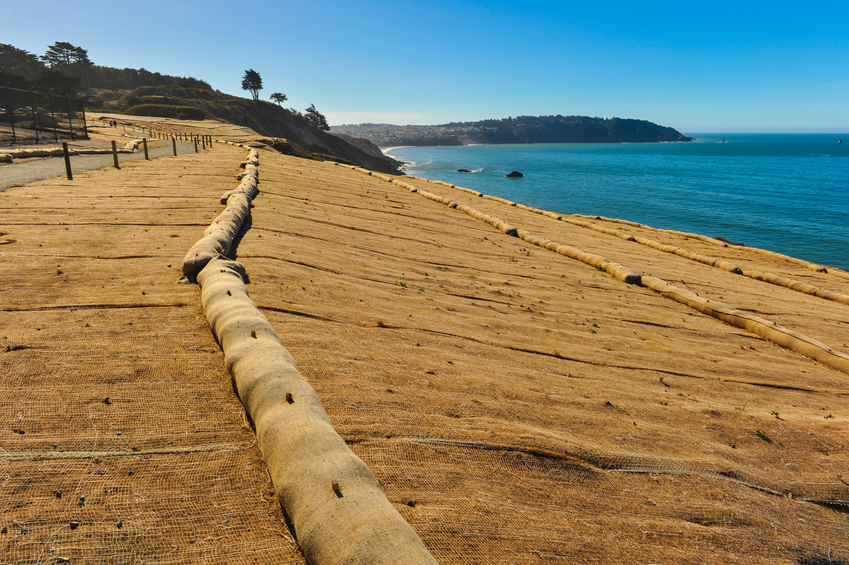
524	129
168	111
27	70
292	132
568	129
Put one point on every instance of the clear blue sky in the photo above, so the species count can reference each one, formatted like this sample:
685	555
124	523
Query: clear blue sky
698	67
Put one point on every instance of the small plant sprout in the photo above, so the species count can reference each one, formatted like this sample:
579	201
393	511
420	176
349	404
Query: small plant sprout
774	413
592	331
829	416
761	433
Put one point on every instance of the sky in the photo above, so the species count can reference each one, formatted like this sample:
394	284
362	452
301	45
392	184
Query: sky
700	67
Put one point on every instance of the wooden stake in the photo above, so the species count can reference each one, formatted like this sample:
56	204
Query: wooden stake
115	154
67	160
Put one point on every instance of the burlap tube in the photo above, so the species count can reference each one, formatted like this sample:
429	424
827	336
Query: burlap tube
339	513
779	335
218	237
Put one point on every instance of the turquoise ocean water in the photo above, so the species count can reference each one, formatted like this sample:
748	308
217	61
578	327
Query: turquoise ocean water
787	193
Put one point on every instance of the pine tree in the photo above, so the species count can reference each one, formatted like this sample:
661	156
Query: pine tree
252	82
316	119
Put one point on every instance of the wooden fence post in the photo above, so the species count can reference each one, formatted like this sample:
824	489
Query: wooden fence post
144	140
67	160
115	154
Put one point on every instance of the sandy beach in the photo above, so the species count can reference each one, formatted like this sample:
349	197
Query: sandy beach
516	405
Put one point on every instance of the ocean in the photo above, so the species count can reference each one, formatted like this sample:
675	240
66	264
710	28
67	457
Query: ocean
784	192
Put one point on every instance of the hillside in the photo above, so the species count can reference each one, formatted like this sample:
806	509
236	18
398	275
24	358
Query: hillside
516	405
298	137
523	129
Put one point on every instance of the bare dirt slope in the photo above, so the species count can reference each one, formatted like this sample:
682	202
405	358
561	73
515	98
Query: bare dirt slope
517	406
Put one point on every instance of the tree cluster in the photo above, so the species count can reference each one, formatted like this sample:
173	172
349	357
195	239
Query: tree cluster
66	69
252	82
316	119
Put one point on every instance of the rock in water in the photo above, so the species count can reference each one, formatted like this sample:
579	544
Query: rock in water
463	171
515	174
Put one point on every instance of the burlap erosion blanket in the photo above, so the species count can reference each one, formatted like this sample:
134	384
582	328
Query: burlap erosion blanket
515	405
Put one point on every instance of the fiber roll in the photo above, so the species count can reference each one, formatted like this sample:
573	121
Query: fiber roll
218	237
779	335
339	513
621	272
248	186
502	200
724	265
798	286
253	159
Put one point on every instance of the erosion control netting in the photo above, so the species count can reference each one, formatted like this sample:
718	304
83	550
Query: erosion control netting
521	407
335	505
121	440
515	405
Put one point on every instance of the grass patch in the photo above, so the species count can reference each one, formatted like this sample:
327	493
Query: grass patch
165	111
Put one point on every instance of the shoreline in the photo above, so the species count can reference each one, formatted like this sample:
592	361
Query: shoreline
703	197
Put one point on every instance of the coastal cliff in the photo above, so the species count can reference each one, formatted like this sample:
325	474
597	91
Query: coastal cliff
523	129
294	135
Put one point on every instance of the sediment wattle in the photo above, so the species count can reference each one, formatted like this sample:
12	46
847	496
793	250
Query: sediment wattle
338	510
789	339
336	506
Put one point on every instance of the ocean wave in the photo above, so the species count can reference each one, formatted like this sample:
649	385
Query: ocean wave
386	150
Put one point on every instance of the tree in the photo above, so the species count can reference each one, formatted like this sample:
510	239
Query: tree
66	57
62	56
279	98
252	82
19	62
316	119
58	82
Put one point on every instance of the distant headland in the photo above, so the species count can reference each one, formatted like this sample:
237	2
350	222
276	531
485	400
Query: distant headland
522	129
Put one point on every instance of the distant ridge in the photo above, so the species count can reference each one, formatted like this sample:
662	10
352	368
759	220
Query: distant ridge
523	129
292	132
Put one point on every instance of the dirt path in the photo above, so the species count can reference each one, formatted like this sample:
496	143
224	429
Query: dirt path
39	169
